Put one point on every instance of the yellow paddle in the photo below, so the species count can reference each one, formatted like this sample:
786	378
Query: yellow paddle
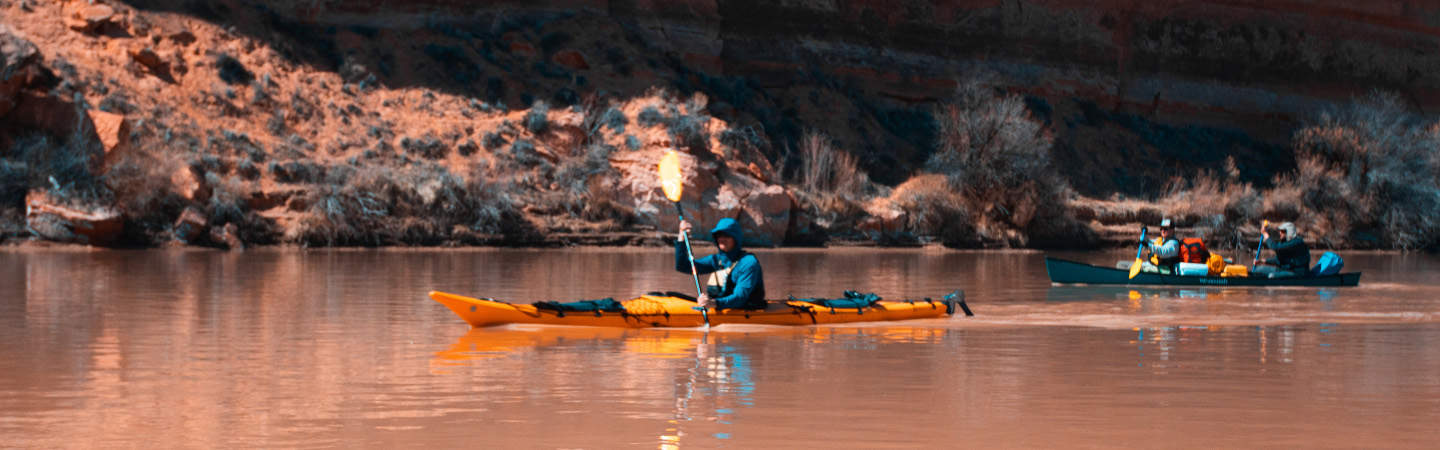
673	185
1135	268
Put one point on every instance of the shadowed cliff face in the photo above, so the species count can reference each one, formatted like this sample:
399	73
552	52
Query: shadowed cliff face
1136	92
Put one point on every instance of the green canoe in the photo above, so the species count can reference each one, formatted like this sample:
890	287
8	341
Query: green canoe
1070	272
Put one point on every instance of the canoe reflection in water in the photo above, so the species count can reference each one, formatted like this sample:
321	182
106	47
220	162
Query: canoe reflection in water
1064	293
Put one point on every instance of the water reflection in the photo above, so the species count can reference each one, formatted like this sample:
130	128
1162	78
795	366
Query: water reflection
1164	347
341	349
710	375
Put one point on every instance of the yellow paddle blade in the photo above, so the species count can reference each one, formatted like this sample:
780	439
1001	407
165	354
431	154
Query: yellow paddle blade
670	179
1135	268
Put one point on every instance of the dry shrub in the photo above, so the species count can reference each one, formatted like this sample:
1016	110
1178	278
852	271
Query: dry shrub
932	208
830	186
1212	205
997	156
141	182
418	206
1367	174
1203	195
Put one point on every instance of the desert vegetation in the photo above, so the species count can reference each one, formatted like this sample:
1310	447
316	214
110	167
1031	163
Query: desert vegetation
1368	175
521	131
830	188
1365	177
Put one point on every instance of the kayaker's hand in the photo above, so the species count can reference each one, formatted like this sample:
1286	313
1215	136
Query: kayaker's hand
1264	233
684	228
705	301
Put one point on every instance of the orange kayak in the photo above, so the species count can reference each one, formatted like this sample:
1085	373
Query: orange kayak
664	310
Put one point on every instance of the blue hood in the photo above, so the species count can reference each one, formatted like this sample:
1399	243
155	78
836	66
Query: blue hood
730	227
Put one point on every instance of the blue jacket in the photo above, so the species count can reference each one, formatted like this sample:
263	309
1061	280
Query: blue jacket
745	284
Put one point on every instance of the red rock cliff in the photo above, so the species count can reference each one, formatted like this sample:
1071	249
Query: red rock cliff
1258	68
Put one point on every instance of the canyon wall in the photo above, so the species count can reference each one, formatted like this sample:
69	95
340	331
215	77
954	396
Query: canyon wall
1133	89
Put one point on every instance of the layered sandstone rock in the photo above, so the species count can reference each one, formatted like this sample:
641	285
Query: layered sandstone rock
55	220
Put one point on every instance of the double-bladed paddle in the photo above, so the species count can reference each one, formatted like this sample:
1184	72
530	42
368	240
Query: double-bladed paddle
673	184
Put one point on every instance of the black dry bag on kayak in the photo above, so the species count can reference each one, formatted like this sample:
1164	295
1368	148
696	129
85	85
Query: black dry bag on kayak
606	304
851	299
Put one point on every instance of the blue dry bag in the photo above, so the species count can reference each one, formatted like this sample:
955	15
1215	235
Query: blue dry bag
1329	264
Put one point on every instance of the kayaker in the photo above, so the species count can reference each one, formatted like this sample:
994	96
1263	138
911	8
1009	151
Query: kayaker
1166	249
735	279
1292	256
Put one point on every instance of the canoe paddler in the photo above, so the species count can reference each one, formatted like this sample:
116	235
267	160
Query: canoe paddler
1166	249
1292	256
734	277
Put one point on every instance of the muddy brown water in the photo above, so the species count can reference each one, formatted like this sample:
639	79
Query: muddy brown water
341	348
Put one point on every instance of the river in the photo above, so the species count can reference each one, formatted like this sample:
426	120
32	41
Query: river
299	348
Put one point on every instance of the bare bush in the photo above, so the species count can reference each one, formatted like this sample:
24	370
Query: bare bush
997	156
536	120
141	183
422	205
933	209
1370	169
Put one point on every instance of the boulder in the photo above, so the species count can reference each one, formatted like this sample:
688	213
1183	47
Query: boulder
152	62
266	200
766	216
60	117
571	58
640	181
111	129
884	216
522	48
227	236
181	37
190	185
90	18
709	194
52	219
19	60
191	226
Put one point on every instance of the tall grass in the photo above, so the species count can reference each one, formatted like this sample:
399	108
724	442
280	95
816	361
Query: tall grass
826	169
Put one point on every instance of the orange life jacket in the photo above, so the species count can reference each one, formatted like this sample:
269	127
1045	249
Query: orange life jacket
1192	250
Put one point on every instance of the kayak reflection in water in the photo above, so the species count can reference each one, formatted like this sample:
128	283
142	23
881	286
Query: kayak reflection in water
735	279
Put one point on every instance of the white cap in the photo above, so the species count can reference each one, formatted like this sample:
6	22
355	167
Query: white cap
1165	223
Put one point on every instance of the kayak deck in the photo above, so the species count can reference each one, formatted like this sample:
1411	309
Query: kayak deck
659	310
